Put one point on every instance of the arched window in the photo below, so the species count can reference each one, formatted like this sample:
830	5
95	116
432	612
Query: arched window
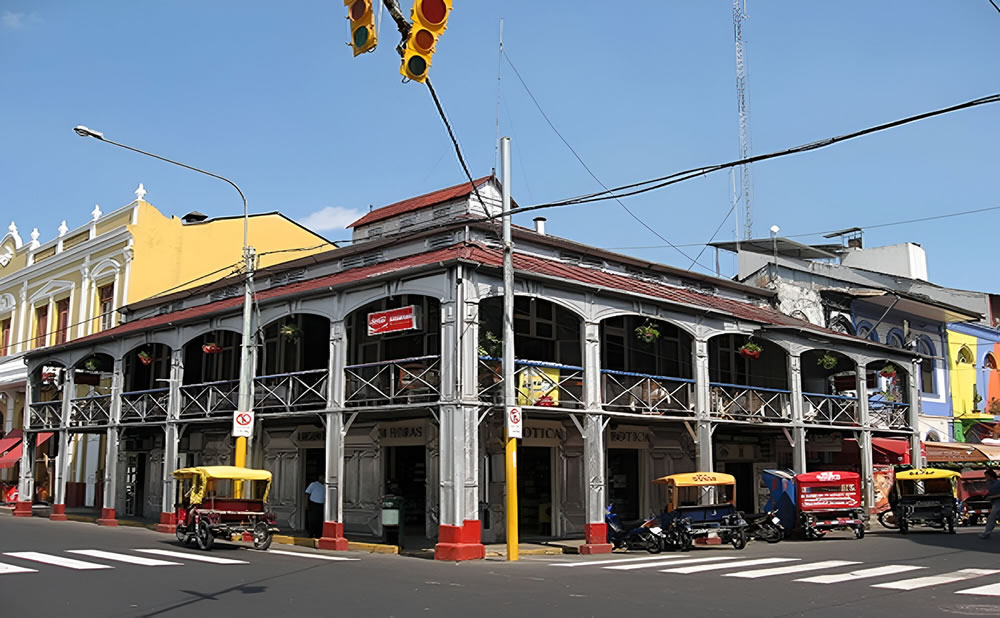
865	331
965	356
927	365
990	362
894	338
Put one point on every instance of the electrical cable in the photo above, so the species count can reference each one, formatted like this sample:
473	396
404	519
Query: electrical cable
587	167
995	5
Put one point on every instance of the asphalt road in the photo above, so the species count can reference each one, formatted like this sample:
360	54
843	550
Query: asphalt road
883	574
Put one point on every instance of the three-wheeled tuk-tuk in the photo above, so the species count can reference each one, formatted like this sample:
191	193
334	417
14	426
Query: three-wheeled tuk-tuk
972	490
685	491
220	501
926	496
829	500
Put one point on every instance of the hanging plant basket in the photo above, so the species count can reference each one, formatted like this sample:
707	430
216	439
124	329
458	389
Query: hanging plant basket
144	357
211	348
828	361
648	332
490	345
92	364
291	331
889	371
751	350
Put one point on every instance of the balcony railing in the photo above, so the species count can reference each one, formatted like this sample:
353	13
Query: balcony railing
749	403
291	392
401	381
209	398
90	411
830	409
46	414
143	406
885	414
535	383
640	393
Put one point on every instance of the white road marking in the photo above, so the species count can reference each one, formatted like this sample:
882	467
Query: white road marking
302	554
6	569
728	565
107	555
649	565
890	569
189	556
811	566
990	590
69	563
935	580
613	561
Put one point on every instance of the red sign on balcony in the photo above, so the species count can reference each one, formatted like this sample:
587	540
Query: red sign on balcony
393	320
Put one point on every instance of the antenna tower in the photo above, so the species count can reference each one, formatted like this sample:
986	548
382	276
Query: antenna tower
740	14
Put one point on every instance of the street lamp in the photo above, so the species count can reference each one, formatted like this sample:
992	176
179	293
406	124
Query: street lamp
244	403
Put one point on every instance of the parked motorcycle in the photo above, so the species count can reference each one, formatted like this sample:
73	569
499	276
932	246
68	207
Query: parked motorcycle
677	534
633	535
764	526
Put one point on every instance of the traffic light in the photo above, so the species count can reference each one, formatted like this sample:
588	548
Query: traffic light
430	18
362	20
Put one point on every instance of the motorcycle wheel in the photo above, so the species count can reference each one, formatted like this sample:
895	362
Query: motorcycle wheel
888	520
904	526
203	534
739	539
686	542
859	532
262	537
770	534
950	523
182	534
653	543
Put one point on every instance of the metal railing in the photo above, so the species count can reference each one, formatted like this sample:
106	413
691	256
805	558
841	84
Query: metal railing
885	414
405	380
142	406
536	383
89	411
46	414
291	392
749	403
209	399
830	409
640	393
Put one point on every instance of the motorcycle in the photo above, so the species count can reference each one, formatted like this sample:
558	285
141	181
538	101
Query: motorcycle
765	526
636	535
677	535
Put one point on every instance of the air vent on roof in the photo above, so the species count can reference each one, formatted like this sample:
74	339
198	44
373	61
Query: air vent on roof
567	256
643	274
170	307
194	217
287	277
441	240
230	292
407	222
365	259
442	213
593	262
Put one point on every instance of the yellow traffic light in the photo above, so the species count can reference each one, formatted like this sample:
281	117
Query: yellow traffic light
362	20
430	19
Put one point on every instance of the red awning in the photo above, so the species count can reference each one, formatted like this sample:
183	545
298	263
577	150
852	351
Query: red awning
897	451
14	455
8	443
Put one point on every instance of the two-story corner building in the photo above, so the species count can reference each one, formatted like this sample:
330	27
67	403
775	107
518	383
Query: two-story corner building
973	350
72	286
881	293
377	367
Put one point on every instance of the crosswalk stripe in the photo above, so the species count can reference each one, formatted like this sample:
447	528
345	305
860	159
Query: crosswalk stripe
650	565
69	563
6	569
107	555
890	569
936	580
989	590
189	556
727	565
612	561
302	554
811	566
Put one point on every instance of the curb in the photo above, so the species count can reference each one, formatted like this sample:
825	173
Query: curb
372	548
541	551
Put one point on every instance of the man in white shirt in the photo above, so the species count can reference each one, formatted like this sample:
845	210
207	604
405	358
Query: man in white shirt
316	492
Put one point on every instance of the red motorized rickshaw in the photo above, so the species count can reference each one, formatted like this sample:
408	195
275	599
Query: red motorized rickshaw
827	501
972	490
223	501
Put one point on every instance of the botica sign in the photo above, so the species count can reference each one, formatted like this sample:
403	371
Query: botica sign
402	433
543	433
629	436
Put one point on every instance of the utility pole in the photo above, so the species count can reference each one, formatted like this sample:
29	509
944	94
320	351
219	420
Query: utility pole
508	355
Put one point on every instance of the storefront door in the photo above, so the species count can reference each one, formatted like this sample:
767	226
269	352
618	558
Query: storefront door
534	491
406	476
623	482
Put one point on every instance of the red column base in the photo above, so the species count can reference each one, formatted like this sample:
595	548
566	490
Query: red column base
597	539
22	509
460	542
333	537
168	523
58	512
107	518
708	540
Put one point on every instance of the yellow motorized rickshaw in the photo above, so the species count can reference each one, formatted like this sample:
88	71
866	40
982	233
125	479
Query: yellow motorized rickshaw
720	517
926	496
220	501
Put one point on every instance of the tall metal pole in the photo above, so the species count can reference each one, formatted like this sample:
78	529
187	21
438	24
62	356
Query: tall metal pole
508	351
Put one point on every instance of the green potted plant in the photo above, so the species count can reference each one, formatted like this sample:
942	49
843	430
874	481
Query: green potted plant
750	349
144	357
648	332
92	364
828	361
889	371
490	345
290	331
211	348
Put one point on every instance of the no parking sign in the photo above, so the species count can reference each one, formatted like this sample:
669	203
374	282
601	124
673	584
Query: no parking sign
515	422
243	424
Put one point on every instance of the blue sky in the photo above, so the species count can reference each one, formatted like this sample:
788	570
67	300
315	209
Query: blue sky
270	95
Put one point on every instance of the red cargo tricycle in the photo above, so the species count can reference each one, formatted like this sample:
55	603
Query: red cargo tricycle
829	500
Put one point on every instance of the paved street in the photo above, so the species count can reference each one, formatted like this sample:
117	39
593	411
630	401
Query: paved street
49	568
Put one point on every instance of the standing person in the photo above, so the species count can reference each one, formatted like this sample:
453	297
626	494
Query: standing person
314	511
993	495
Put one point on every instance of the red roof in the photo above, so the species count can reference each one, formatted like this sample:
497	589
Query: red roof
489	257
421	201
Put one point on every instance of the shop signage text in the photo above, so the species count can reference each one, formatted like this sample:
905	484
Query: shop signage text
544	433
403	433
393	320
624	436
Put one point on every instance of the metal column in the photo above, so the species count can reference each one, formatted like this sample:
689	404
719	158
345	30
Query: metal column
798	430
865	440
336	431
913	386
701	396
108	516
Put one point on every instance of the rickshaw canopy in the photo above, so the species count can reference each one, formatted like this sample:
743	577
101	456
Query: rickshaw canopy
697	479
921	474
202	474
